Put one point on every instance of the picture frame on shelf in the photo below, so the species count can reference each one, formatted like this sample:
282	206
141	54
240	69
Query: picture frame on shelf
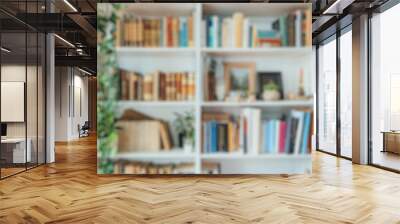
270	86
240	80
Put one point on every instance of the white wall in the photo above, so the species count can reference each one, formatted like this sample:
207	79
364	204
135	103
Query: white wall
69	82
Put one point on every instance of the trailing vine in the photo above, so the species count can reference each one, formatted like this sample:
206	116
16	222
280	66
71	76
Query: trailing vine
107	86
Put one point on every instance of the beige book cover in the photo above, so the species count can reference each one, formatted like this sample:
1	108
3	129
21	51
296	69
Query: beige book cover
139	136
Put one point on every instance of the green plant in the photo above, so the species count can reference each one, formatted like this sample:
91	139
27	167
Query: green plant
184	123
107	86
271	86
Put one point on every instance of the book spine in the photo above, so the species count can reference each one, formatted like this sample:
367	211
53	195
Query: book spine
298	26
245	33
215	31
282	136
191	86
169	32
214	137
300	116
306	132
238	29
175	32
190	32
265	137
256	118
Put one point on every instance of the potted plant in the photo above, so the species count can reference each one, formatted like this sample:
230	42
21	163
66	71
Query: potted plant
184	125
271	91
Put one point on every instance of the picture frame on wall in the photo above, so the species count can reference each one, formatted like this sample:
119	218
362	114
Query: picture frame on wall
269	86
240	81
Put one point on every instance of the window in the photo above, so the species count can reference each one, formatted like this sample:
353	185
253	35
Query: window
385	89
327	97
346	93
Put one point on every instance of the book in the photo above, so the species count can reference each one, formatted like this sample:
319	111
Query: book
282	136
299	115
139	136
165	135
306	132
237	29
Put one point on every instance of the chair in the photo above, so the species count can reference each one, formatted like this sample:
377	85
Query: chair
84	130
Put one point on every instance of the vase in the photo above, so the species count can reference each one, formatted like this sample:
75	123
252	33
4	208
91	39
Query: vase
188	145
271	95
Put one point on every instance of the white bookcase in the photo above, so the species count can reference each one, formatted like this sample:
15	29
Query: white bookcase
288	60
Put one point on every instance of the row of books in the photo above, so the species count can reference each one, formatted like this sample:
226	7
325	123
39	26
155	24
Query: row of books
131	167
248	134
239	31
157	86
225	133
155	32
291	135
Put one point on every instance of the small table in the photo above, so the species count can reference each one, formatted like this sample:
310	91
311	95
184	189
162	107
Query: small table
13	150
391	141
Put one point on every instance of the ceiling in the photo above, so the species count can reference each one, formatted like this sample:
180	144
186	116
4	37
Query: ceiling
332	15
72	20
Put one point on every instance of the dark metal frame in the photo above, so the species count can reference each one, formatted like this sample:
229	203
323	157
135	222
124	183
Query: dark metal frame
44	79
337	35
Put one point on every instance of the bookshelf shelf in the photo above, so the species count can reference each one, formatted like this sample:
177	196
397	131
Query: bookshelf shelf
175	155
133	103
170	51
252	9
287	60
282	103
270	51
239	156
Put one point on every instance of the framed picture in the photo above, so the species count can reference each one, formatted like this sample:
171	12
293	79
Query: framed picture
239	80
273	79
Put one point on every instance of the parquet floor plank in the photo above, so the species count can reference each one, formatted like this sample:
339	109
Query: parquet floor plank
70	191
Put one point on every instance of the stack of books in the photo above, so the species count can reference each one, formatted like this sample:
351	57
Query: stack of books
157	86
248	134
155	32
225	133
290	136
239	31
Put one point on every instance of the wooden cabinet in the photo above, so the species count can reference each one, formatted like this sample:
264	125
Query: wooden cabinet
391	142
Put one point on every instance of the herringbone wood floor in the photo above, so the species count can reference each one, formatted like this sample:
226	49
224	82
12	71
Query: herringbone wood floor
69	191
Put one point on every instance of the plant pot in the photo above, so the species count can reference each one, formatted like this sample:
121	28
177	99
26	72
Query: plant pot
271	95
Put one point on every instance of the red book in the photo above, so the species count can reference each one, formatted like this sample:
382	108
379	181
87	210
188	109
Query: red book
169	32
282	136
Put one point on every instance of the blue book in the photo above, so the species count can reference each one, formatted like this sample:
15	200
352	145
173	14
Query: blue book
219	32
215	29
306	132
209	31
214	137
266	34
273	131
185	33
270	135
